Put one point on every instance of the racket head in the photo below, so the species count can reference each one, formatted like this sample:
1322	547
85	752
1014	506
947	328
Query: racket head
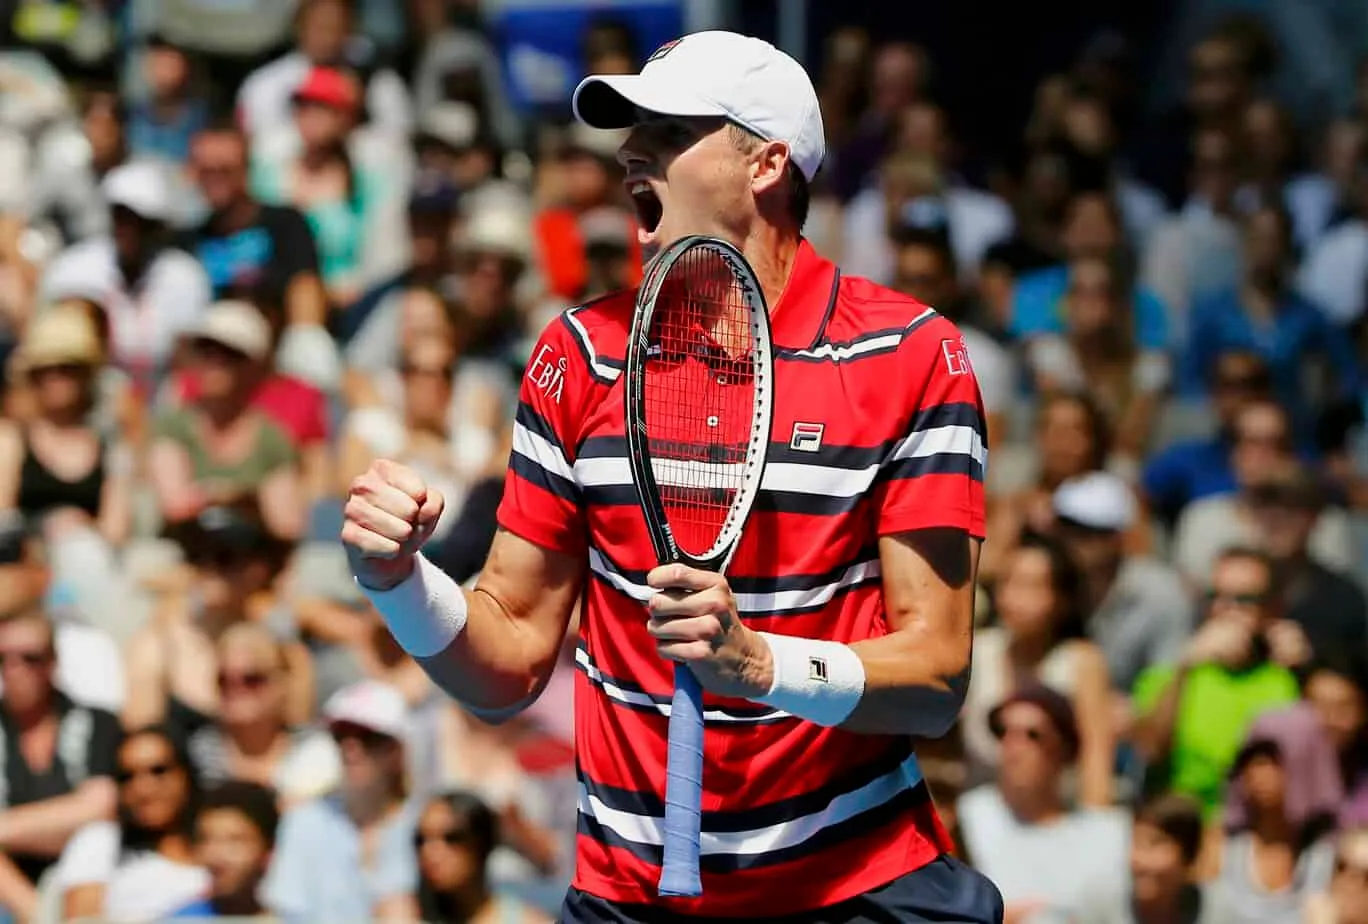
699	384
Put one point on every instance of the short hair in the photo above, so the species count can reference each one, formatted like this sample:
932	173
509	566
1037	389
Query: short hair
799	194
1348	663
1248	553
608	35
1179	817
31	612
933	239
253	801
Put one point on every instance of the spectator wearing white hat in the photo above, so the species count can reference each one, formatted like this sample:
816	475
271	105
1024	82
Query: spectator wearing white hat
151	292
221	448
349	856
1136	607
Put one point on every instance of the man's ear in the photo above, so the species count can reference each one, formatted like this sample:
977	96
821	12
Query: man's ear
767	171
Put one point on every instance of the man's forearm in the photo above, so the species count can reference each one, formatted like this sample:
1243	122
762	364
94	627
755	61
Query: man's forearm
43	828
493	664
17	894
1153	735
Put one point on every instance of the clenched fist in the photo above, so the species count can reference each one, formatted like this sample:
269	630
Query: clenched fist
390	513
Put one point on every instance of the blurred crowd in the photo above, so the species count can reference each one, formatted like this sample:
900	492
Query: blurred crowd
247	248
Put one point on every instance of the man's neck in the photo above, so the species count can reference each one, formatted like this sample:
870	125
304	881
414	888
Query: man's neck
771	253
243	904
237	216
27	720
1033	808
367	811
1164	909
256	739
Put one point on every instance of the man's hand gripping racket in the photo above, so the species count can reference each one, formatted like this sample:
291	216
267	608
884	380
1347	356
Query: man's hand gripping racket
699	382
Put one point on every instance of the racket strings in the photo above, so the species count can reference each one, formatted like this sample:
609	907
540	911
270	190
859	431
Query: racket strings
699	392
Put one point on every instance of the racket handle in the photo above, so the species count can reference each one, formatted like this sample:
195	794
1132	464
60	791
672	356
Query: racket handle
684	789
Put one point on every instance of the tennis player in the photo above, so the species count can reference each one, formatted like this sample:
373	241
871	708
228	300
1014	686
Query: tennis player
844	626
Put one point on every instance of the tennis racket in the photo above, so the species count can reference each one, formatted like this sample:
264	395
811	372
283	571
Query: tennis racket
699	382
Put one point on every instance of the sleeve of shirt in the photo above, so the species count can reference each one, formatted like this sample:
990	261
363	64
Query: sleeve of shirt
1151	321
298	252
541	501
396	871
933	476
1150	686
284	889
90	856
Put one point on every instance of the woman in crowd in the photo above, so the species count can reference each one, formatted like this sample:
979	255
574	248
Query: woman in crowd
325	169
232	577
139	867
252	739
1072	438
1097	355
1166	842
1040	639
56	459
1337	691
1275	850
456	836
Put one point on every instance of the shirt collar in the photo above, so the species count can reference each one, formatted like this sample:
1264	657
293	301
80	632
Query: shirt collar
807	301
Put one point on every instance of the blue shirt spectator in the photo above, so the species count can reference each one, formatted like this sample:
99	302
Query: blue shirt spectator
165	135
1038	308
1188	471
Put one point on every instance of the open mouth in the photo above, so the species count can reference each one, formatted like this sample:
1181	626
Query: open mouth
647	204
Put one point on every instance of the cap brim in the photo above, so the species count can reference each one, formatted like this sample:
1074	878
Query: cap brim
612	101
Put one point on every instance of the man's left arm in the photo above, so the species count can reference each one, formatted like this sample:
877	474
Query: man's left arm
43	828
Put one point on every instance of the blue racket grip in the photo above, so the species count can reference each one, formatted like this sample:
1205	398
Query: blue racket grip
683	789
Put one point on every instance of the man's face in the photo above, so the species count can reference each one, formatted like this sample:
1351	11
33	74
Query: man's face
1090	228
132	234
923	274
1093	549
368	759
1033	751
1156	862
233	850
687	176
27	663
1215	176
1216	83
1241	591
1239	377
218	163
1262	444
323	31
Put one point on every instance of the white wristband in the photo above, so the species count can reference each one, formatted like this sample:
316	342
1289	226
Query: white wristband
814	680
424	612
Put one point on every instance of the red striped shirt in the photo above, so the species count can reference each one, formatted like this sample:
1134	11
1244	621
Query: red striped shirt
877	429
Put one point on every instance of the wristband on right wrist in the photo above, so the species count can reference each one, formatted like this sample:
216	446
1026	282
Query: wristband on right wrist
425	612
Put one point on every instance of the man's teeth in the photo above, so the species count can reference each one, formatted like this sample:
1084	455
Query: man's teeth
641	186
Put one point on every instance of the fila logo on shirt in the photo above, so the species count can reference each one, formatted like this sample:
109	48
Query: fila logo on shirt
807	437
547	373
956	356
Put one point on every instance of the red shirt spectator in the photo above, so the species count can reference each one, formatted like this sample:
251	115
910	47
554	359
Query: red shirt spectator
299	408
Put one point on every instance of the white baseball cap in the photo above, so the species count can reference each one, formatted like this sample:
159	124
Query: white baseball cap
141	188
237	325
372	705
1097	500
736	77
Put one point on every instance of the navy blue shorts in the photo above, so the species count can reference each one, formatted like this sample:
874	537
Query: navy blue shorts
944	891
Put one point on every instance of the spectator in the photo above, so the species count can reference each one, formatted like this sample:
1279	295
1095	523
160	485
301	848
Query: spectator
1041	641
458	64
343	181
1264	465
1020	831
1196	253
251	739
1095	353
1275	851
261	253
899	74
221	449
1267	317
70	162
456	835
1336	689
1328	606
235	832
926	271
160	127
232	578
142	866
152	292
453	143
1135	607
586	178
1346	900
1335	272
1091	228
1191	470
58	760
57	460
323	31
1071	439
1192	716
369	722
492	257
1166	842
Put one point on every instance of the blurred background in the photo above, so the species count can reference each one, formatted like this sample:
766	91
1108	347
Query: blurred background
247	246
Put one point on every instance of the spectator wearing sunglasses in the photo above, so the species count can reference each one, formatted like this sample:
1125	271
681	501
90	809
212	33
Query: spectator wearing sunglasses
141	867
1346	900
455	837
348	856
56	760
252	739
235	832
1193	715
